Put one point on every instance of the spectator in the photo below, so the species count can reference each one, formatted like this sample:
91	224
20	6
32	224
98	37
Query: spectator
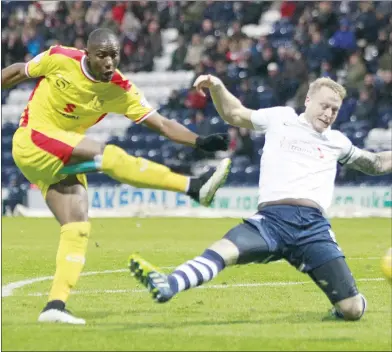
142	60
194	52
219	52
130	23
318	51
34	42
154	39
245	144
385	96
327	70
258	65
118	12
343	42
364	108
178	56
248	96
77	11
326	18
13	49
366	23
94	14
385	61
276	82
235	32
207	28
355	73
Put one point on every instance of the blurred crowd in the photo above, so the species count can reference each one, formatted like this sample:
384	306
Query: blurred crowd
348	41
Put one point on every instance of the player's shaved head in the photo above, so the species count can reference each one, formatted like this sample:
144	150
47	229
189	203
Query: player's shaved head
101	36
103	52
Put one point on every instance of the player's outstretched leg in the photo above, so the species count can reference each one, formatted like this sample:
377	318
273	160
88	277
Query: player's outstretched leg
242	244
337	282
143	173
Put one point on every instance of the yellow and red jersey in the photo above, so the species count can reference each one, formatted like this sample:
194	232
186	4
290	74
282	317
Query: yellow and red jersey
67	97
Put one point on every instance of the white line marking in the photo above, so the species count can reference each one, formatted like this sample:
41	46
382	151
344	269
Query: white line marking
7	290
268	284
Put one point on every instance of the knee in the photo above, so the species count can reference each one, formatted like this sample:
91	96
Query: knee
227	250
352	308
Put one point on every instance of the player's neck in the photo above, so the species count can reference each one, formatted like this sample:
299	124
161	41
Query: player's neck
88	69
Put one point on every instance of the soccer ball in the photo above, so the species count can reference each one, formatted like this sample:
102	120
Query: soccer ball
386	264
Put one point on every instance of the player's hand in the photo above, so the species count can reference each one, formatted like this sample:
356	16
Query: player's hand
206	81
213	142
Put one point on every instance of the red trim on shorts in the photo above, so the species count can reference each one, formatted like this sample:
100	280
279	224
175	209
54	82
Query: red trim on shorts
72	53
101	117
25	116
121	82
53	146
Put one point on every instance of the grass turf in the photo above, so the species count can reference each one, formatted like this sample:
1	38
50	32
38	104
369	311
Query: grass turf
252	307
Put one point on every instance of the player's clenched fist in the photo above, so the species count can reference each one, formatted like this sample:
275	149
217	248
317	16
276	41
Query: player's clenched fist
206	81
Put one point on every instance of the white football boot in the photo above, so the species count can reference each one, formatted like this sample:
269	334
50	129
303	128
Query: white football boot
59	316
218	178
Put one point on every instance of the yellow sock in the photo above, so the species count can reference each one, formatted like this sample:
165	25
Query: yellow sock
70	259
141	172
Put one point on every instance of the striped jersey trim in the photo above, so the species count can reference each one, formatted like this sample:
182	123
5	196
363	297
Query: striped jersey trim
345	159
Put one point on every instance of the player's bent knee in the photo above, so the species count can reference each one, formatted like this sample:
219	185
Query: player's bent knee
227	250
352	308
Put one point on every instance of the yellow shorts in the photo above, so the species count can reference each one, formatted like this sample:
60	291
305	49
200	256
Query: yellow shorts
40	155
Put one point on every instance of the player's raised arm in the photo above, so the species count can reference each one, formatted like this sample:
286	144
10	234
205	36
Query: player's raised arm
180	134
13	75
372	163
228	106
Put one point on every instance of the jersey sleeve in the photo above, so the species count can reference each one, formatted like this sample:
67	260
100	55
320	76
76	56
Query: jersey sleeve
262	119
41	65
348	151
135	106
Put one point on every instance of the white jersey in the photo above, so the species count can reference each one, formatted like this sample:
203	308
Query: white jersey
297	161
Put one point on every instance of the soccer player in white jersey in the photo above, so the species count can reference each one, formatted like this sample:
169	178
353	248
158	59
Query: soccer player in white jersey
298	169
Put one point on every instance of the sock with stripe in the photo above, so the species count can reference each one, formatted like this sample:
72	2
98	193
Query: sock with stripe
197	271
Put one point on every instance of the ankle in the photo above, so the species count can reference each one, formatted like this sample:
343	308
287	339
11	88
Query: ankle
55	304
194	187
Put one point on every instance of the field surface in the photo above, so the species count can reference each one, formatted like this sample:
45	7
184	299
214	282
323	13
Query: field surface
252	307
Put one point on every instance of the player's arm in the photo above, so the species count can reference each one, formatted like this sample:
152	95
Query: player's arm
13	75
39	66
228	106
372	163
178	133
171	129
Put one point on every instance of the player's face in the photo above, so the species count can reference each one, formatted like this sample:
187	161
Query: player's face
322	108
104	60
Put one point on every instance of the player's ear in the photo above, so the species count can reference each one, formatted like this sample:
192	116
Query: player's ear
307	100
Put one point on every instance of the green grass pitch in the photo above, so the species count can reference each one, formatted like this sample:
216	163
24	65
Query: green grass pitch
253	307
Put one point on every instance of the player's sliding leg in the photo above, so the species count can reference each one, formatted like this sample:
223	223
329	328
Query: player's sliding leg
69	204
241	245
337	282
142	173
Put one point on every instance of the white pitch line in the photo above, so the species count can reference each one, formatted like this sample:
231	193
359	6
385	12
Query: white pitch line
7	290
268	284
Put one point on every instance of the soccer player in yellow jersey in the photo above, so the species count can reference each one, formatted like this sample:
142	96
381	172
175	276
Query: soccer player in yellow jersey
75	91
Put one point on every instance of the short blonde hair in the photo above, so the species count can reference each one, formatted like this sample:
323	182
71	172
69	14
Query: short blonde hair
327	82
